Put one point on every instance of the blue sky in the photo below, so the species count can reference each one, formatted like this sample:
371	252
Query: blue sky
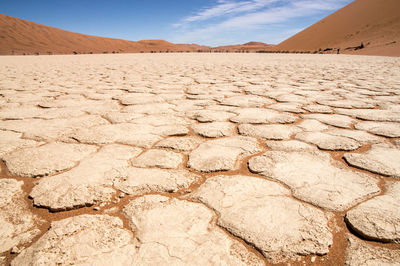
207	22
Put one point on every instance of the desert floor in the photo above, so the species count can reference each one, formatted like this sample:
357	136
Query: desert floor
199	159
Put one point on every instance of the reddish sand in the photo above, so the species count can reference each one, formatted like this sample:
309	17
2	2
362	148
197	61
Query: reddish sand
375	23
18	36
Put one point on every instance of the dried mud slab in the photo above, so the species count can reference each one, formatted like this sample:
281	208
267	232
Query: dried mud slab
159	159
348	104
262	116
372	114
47	159
292	98
314	177
127	133
171	130
214	129
221	154
69	101
179	232
246	101
20	112
359	253
385	129
336	120
138	98
312	125
121	117
378	218
316	108
10	141
80	240
85	184
26	112
137	181
18	224
160	120
179	143
328	142
263	213
272	132
52	129
290	145
147	109
381	159
287	107
206	116
358	135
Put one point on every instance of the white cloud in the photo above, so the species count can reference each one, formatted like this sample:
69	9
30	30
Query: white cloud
223	8
278	14
236	17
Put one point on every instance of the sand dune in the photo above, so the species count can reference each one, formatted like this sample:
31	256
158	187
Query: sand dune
375	23
18	36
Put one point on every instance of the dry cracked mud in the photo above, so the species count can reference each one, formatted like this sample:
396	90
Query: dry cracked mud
200	159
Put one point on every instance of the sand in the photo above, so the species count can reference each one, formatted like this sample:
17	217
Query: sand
20	36
374	23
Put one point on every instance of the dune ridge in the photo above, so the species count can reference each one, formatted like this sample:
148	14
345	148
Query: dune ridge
369	27
18	36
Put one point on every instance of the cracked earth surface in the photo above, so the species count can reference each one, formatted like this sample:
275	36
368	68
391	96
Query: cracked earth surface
200	159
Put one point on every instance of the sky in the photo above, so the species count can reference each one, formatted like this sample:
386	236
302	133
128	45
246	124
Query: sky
205	22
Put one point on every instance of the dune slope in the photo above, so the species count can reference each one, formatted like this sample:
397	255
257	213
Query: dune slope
18	36
374	23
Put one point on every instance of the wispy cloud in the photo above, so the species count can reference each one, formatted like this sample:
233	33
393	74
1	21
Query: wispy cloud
223	8
243	17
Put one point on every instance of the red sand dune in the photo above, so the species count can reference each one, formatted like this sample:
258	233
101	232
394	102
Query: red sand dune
18	36
375	23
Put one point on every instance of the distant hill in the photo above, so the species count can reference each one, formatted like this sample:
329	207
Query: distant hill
18	36
256	43
247	47
370	27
